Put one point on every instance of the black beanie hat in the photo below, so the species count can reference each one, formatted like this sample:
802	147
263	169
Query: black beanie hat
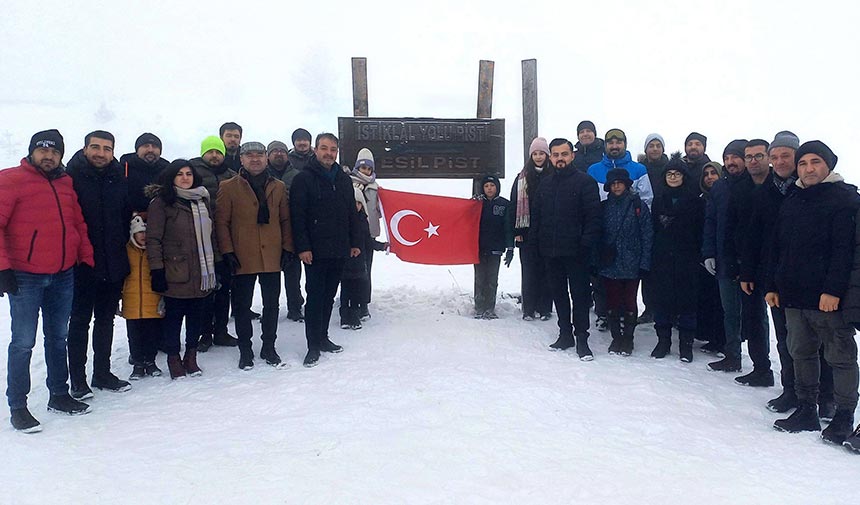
735	147
820	148
147	138
50	139
697	136
495	180
617	174
300	134
586	124
676	162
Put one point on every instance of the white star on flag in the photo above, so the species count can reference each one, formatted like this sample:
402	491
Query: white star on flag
431	230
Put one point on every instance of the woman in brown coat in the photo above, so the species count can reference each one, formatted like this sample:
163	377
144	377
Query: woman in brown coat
181	260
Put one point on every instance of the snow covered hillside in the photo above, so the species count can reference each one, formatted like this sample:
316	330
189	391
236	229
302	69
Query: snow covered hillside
424	406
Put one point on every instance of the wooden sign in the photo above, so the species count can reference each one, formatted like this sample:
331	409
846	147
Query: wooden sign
407	148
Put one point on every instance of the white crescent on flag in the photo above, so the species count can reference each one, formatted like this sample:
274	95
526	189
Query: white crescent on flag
395	226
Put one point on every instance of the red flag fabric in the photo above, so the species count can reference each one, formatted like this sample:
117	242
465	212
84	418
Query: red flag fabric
431	230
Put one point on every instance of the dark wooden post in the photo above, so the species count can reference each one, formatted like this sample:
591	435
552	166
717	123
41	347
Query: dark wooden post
530	104
359	87
485	103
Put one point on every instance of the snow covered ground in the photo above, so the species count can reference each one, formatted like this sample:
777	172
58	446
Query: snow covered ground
424	406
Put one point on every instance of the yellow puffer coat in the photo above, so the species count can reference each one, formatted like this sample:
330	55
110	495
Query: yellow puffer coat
138	299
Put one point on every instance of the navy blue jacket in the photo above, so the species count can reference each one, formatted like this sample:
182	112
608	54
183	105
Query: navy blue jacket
717	226
103	196
627	225
322	211
759	234
588	155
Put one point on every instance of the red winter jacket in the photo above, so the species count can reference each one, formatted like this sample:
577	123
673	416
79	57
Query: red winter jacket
41	224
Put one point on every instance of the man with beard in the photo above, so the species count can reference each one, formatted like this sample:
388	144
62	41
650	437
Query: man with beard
718	260
102	190
809	275
213	171
589	148
280	168
42	237
694	147
566	227
301	152
326	233
655	161
142	168
231	135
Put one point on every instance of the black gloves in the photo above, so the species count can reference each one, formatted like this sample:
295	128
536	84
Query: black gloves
286	258
8	282
509	256
159	280
232	262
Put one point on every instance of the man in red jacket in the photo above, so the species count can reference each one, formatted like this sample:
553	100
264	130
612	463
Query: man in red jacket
43	237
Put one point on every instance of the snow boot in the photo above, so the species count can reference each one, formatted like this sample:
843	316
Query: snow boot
685	345
826	409
271	356
853	441
205	342
296	315
783	403
726	364
79	390
23	421
630	322
757	379
137	372
328	346
582	349
840	427
713	348
224	339
174	364
563	342
664	343
246	358
805	418
615	331
107	381
190	362
312	358
152	369
65	404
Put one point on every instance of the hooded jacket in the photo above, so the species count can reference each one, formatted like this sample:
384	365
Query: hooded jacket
494	236
140	174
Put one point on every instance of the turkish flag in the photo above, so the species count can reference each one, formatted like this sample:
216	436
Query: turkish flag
431	230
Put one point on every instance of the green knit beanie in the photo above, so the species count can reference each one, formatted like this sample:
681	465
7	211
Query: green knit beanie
212	142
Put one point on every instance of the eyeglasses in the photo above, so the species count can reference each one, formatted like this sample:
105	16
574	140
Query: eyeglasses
757	157
673	174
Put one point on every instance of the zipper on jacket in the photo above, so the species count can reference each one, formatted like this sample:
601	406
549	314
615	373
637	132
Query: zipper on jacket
32	243
140	284
63	222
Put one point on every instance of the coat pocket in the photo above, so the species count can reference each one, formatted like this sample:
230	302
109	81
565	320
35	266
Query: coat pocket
32	245
176	269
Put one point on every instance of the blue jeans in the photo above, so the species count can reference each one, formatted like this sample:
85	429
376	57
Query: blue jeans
730	296
52	294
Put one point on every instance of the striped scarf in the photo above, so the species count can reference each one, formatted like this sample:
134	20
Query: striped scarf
523	219
202	232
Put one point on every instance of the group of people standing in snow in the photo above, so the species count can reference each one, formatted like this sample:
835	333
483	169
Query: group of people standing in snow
173	244
713	245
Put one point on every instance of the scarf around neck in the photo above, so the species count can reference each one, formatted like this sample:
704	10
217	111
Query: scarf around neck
258	185
197	197
523	217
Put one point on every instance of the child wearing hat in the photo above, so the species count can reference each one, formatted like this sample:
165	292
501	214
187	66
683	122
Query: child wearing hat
625	255
142	308
495	237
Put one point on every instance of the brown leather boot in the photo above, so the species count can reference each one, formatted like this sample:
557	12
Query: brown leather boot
190	362
174	364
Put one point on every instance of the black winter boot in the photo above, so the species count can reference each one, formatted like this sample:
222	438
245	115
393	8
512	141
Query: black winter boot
268	353
246	358
564	342
784	402
826	409
615	331
664	343
685	345
630	322
805	418
23	421
840	427
205	342
582	349
852	443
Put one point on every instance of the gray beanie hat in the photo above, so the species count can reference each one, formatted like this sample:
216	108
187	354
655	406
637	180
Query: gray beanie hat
654	136
785	139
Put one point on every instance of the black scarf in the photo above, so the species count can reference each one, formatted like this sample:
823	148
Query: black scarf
258	184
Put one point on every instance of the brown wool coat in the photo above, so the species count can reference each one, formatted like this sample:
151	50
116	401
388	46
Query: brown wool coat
257	246
171	244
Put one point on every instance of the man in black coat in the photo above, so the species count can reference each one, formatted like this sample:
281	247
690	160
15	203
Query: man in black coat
142	168
280	168
231	135
301	153
694	149
102	190
325	233
566	227
808	275
589	148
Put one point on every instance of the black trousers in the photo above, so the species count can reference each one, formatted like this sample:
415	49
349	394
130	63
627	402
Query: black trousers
144	336
569	279
217	306
322	278
243	295
486	283
292	285
537	296
191	310
353	298
96	301
754	328
709	312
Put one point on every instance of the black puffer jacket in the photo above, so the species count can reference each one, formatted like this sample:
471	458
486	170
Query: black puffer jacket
322	209
103	196
567	220
212	177
813	249
850	305
765	203
140	174
298	160
588	155
655	173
